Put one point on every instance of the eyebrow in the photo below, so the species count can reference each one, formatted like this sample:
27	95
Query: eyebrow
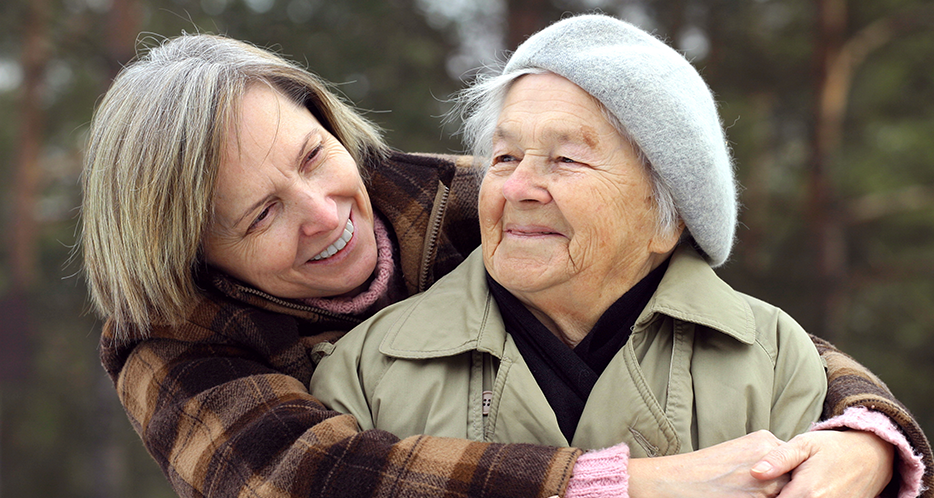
301	150
586	135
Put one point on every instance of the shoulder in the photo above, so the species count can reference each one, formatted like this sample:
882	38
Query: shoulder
777	332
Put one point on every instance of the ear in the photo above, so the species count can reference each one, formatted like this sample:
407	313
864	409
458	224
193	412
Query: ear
664	243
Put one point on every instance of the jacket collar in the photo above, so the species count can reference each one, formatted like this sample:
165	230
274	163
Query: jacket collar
458	314
691	291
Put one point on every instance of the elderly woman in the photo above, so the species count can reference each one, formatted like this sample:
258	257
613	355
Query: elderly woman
591	314
237	219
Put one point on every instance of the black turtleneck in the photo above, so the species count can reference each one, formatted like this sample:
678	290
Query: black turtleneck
566	376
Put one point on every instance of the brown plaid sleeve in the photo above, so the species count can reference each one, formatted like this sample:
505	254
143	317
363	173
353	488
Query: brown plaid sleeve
851	384
220	423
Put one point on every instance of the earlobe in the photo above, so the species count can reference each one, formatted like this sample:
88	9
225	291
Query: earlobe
665	243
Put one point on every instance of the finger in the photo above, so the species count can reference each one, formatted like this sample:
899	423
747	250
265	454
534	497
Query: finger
782	459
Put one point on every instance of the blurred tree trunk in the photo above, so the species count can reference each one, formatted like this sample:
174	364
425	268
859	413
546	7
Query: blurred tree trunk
24	225
124	21
17	327
826	224
836	59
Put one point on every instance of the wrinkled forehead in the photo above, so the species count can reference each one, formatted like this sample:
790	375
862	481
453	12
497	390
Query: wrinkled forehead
560	111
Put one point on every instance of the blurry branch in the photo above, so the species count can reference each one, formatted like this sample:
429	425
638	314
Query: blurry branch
887	273
853	53
873	206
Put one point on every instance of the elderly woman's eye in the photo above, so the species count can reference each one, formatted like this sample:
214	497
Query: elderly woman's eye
503	158
566	160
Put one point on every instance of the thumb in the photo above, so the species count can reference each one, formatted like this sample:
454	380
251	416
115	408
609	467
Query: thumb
782	459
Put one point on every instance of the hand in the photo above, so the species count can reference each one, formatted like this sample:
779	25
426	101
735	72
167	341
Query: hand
826	464
721	471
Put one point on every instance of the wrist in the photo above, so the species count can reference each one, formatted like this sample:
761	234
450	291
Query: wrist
910	468
601	473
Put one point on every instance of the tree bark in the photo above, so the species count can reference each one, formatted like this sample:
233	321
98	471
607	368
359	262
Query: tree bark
24	225
836	60
826	227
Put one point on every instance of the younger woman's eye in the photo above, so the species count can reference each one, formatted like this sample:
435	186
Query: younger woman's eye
314	153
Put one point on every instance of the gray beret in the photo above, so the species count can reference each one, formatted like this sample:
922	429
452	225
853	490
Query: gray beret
662	102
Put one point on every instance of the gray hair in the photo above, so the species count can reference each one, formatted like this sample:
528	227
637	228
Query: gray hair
478	107
155	146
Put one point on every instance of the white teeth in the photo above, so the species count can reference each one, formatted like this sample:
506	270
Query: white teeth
338	244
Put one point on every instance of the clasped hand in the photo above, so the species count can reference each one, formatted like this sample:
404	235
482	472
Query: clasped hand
817	464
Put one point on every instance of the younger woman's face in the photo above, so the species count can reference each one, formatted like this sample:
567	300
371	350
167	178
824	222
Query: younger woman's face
291	213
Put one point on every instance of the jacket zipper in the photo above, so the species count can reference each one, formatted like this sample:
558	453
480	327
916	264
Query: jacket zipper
296	306
431	240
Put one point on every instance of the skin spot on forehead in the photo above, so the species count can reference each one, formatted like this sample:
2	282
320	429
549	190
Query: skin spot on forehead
589	136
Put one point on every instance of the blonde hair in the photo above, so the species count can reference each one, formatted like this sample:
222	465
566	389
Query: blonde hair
155	146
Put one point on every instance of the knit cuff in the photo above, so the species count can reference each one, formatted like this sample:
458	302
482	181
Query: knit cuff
910	467
601	473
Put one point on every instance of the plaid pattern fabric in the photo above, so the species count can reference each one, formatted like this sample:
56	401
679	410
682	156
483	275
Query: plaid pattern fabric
221	401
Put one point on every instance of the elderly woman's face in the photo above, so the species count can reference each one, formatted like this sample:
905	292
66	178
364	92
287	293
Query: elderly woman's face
292	216
566	208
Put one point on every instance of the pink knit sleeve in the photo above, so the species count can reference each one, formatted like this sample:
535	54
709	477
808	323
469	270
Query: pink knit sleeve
860	418
600	474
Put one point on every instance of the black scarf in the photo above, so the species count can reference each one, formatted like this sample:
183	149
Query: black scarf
566	376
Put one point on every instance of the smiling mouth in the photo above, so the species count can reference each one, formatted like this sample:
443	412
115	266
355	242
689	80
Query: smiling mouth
338	244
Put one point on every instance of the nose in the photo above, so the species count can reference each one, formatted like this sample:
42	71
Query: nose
526	183
315	212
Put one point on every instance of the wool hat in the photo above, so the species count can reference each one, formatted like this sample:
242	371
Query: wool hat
662	102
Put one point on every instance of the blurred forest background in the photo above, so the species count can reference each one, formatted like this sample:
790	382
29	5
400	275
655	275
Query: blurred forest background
829	106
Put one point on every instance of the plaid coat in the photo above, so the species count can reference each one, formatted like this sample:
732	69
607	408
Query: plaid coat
222	406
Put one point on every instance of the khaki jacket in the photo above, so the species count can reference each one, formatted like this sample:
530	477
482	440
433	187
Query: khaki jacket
705	364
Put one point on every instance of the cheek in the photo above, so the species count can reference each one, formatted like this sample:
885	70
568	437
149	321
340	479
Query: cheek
268	254
600	217
490	207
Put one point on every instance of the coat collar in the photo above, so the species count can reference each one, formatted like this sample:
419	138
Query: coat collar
691	291
458	314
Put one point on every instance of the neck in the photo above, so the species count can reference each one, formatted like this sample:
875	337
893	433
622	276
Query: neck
570	312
